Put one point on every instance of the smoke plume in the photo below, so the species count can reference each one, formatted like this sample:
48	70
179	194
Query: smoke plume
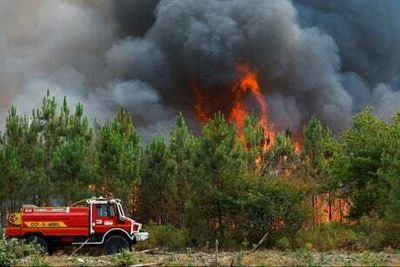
329	58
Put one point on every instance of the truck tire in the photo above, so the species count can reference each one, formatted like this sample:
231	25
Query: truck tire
115	244
40	241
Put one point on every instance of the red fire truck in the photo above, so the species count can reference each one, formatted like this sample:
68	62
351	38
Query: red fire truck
95	221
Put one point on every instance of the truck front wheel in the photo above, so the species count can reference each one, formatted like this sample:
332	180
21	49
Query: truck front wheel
115	244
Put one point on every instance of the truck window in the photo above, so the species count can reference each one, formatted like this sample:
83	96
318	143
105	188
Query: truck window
104	210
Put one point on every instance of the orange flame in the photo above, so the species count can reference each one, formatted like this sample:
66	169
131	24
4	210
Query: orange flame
328	208
231	100
333	210
297	147
248	83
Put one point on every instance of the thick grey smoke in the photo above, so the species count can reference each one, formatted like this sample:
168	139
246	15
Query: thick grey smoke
367	33
312	57
73	49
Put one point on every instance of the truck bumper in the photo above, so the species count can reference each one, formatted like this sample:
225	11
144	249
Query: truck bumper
141	236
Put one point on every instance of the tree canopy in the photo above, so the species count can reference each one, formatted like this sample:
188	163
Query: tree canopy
218	184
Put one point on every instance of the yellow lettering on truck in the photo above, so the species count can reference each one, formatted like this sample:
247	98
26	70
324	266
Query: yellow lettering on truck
45	224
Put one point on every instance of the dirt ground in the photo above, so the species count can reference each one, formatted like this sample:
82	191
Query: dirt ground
243	258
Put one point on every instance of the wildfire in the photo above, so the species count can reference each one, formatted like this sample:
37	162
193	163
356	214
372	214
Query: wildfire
237	110
297	147
201	114
231	100
248	83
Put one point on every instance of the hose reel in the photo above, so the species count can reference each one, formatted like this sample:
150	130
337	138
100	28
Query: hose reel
14	218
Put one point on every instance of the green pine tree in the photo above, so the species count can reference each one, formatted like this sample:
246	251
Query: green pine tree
119	152
218	182
182	147
157	189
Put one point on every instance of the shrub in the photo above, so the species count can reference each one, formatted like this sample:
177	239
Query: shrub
331	236
283	243
370	233
304	257
375	233
165	236
370	259
124	258
275	207
13	249
38	261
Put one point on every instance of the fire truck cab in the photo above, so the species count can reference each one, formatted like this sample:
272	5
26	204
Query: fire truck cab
95	221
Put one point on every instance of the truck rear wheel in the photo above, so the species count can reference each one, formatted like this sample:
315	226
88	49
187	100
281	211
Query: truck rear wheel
42	243
115	244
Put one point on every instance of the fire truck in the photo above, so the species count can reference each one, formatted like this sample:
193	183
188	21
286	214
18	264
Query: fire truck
95	221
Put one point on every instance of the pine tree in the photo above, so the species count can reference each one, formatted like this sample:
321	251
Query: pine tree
256	145
182	147
312	142
119	152
390	171
157	189
73	158
218	182
356	168
12	173
280	160
47	123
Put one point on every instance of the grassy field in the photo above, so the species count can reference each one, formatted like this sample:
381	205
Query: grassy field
244	258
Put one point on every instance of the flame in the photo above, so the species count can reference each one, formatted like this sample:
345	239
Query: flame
328	208
248	83
201	114
205	106
233	98
258	161
230	99
297	147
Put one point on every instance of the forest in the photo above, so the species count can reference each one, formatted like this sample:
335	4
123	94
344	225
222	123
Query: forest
324	191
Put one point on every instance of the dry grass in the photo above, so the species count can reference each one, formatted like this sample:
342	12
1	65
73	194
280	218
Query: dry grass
260	258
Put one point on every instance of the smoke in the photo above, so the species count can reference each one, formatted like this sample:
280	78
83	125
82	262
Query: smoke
367	34
73	49
311	57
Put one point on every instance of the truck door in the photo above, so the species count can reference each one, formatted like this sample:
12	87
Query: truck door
104	217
